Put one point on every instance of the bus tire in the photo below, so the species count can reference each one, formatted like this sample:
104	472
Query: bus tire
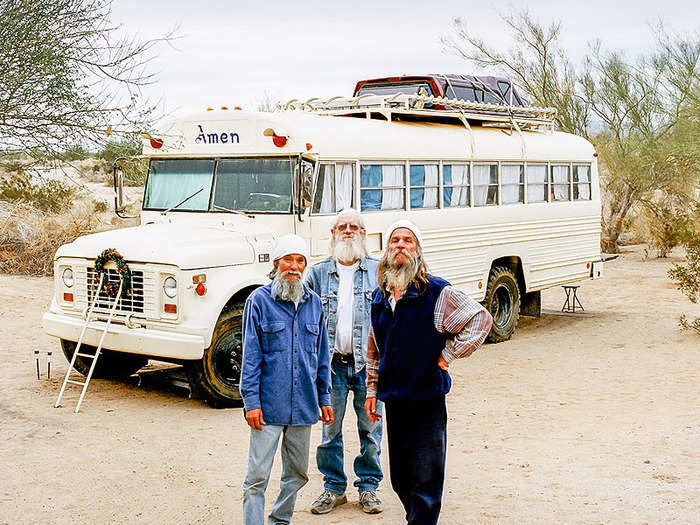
110	364
216	377
503	303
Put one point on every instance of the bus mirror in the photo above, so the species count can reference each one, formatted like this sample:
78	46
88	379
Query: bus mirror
307	181
118	189
303	186
119	202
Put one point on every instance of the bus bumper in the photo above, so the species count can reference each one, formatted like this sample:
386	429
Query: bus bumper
151	342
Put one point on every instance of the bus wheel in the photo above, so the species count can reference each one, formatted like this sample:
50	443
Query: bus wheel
217	375
110	364
503	302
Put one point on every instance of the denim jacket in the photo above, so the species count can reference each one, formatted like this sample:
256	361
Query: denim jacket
323	279
286	362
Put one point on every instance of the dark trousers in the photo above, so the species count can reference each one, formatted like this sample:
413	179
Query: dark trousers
417	438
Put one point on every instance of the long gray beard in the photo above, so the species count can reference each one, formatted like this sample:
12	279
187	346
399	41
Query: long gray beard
399	276
284	290
348	252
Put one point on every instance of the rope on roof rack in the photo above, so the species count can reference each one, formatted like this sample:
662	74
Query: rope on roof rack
401	103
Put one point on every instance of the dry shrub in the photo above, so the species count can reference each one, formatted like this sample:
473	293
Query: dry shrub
688	278
668	223
92	170
29	238
49	195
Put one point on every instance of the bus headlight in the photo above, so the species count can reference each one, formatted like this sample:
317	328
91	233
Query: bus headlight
68	277
170	287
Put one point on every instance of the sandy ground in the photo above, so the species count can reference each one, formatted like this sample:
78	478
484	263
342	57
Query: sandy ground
575	420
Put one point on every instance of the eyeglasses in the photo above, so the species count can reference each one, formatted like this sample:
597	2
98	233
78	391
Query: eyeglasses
347	226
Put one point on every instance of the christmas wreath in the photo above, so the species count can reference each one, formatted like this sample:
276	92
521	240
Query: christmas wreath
111	288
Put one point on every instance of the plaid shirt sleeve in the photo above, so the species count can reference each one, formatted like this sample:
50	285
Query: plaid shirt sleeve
469	322
372	364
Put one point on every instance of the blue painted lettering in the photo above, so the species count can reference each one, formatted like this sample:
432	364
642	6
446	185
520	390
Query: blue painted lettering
215	138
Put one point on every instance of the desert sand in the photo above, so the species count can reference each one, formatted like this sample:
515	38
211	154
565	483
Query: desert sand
586	419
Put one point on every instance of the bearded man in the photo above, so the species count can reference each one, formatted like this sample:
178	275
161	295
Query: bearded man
419	325
345	281
285	379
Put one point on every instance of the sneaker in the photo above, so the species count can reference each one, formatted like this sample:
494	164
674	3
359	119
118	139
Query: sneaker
370	502
327	501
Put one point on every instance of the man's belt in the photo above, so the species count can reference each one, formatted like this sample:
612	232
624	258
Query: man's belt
344	359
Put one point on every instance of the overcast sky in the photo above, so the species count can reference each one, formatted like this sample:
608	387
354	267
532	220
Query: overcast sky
231	53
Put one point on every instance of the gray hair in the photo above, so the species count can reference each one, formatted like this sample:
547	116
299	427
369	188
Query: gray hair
350	211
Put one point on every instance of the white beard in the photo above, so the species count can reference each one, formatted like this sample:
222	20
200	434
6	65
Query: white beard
345	252
399	276
284	290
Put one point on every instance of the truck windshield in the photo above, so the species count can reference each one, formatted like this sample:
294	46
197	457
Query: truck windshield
260	184
407	88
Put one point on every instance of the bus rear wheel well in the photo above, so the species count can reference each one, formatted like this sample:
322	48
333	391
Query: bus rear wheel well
515	265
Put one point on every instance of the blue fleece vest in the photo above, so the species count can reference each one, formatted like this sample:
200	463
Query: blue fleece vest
409	345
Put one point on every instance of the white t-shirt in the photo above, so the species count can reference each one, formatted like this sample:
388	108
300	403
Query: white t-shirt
343	327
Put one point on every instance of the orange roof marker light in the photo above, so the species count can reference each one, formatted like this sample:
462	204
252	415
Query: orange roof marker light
279	140
210	109
224	108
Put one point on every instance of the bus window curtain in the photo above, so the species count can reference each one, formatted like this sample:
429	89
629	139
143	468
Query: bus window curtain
421	176
582	183
456	192
392	199
536	183
511	180
343	186
482	175
560	182
327	173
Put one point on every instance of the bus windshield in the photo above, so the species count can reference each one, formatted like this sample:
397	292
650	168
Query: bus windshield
251	184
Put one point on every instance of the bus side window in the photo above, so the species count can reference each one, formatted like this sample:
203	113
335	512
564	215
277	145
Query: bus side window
424	185
455	190
334	188
512	183
582	182
536	183
382	187
485	184
560	183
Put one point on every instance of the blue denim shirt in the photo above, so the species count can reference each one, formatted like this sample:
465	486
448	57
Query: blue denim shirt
286	362
323	279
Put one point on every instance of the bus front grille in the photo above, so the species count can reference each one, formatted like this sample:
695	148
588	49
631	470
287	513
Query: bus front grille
131	302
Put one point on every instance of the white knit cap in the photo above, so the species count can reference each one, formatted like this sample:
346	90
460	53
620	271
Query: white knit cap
403	223
289	244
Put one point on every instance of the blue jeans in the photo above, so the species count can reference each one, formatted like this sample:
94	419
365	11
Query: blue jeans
329	455
295	466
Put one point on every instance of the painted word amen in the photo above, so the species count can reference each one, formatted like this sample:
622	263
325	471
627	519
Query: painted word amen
216	138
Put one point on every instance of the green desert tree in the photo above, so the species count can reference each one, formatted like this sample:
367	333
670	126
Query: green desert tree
69	76
635	111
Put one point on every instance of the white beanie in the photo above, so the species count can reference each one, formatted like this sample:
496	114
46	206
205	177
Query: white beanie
403	223
289	244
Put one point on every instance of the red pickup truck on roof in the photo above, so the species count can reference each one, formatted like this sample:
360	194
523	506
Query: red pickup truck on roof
486	89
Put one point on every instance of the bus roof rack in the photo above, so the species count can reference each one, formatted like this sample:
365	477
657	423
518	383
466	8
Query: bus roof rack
426	108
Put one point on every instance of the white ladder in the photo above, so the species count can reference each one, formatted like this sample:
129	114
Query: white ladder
76	352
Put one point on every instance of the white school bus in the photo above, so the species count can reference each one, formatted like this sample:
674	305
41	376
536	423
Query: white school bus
507	207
